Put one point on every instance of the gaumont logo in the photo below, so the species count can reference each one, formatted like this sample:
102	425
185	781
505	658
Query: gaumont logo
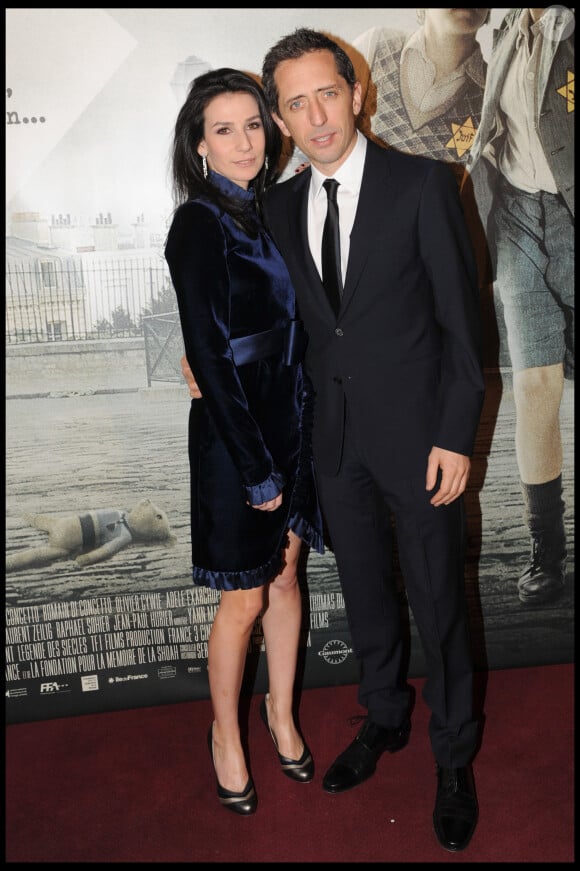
53	686
335	652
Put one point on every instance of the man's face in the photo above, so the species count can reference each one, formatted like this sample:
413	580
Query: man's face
454	23
317	109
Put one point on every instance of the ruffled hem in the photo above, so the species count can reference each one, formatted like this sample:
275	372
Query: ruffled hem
307	532
248	580
243	580
270	488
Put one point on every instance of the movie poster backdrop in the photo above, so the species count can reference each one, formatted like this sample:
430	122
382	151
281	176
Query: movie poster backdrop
97	411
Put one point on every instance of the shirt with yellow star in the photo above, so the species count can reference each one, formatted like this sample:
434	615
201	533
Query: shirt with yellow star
413	112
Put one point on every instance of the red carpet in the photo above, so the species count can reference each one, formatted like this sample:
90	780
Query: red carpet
137	785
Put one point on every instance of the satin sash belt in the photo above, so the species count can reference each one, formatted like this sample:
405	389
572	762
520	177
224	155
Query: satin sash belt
290	340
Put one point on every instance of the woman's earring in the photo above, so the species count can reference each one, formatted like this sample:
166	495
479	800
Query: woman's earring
266	163
204	165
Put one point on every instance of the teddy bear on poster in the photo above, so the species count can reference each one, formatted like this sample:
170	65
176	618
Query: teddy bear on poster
93	536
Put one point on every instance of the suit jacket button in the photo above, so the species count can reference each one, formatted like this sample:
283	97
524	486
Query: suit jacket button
338	332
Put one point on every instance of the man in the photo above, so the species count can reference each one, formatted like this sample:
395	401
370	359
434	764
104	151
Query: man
524	154
395	364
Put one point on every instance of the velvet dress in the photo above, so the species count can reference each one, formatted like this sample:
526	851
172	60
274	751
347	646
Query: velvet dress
250	434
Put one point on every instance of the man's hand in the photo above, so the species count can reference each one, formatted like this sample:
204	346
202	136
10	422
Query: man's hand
455	469
194	390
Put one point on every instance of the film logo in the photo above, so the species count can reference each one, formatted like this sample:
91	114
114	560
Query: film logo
89	682
16	693
53	686
335	652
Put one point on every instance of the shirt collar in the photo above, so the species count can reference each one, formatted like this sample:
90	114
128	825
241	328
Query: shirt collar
473	66
230	188
349	175
525	25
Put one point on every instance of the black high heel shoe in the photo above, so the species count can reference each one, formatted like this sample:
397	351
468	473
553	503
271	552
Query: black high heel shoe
301	770
244	802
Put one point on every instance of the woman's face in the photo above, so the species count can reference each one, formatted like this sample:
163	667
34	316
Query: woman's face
234	139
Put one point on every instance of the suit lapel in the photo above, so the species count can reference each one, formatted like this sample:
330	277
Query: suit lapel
299	247
371	215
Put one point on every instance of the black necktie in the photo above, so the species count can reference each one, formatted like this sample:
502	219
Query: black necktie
331	271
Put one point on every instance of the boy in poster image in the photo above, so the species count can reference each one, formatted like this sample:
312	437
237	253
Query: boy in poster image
522	162
429	84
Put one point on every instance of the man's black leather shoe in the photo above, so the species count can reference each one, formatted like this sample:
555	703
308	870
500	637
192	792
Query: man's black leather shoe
359	761
456	811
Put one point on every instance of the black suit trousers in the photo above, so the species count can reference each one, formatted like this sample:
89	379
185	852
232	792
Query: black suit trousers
357	503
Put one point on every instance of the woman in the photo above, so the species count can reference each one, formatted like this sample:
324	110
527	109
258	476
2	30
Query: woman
252	493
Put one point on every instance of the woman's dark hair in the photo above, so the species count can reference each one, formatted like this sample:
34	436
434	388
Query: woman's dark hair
187	172
293	46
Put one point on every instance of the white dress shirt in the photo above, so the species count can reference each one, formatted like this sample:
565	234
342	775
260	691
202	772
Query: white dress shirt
522	159
349	176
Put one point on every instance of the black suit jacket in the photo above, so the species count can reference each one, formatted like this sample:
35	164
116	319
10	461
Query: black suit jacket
405	351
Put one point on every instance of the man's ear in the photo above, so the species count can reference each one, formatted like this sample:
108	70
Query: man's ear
281	125
357	98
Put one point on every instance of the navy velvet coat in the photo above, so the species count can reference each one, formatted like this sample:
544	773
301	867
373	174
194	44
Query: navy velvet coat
249	437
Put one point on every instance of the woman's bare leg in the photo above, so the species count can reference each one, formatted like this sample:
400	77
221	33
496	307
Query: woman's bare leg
227	650
281	622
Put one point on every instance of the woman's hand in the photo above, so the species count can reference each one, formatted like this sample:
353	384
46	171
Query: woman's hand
194	390
271	505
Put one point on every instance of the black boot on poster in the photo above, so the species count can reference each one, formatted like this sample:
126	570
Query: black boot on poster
545	577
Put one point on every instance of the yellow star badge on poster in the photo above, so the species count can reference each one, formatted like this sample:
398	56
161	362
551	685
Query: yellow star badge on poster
463	136
567	91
